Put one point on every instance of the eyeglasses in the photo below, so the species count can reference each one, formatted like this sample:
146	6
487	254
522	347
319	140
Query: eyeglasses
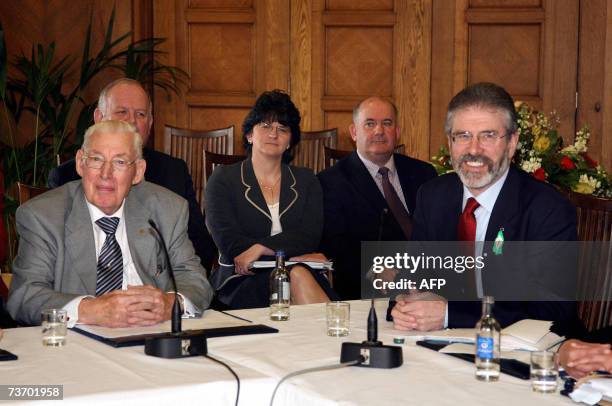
97	162
268	128
485	138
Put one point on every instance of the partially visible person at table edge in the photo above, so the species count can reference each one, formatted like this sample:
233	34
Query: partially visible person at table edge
261	205
593	352
88	246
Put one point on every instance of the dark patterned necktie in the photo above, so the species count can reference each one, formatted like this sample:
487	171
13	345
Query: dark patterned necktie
394	203
110	261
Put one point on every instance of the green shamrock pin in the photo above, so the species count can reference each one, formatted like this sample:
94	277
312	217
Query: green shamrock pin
498	244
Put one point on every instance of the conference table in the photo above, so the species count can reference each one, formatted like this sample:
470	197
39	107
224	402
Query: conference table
95	373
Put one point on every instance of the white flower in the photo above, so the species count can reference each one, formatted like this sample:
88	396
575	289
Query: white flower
533	164
588	180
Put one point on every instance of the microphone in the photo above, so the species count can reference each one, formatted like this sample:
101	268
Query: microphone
373	352
176	308
176	344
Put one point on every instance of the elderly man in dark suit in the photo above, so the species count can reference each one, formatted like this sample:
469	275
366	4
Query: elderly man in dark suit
484	195
126	100
359	189
88	246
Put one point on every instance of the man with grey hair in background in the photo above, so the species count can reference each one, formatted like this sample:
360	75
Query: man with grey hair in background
126	100
484	197
89	247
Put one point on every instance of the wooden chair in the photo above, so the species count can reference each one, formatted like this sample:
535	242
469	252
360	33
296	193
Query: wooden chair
26	192
212	160
595	224
334	155
310	151
188	145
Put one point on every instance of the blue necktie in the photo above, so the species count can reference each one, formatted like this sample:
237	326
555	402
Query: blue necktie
110	261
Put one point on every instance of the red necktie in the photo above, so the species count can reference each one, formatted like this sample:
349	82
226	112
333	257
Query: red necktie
466	230
395	204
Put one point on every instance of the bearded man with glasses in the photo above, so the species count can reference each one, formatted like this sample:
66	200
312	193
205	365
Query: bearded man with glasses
88	246
485	200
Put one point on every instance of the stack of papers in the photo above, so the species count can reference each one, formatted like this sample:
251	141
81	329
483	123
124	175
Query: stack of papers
524	335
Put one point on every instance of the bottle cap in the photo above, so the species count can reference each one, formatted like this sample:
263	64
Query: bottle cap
280	253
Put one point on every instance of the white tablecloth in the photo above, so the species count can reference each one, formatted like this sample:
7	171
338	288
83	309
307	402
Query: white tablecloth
95	373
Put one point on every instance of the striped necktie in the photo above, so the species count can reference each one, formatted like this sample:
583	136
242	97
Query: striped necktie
110	261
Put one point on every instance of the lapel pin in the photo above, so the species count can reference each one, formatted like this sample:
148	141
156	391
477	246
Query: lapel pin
498	244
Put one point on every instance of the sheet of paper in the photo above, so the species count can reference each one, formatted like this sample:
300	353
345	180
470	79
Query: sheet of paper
210	319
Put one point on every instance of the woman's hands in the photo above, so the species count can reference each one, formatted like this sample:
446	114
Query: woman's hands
244	260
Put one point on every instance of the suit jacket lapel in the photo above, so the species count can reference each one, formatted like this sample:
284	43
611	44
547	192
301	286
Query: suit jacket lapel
141	239
80	244
359	176
288	191
506	210
253	193
448	218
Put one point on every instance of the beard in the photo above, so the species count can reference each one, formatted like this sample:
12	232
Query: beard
477	180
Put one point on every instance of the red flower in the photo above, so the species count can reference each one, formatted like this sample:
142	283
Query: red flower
589	161
539	174
567	163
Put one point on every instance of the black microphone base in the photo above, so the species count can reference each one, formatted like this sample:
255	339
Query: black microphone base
376	354
176	345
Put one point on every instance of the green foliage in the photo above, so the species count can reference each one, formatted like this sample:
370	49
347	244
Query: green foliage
39	88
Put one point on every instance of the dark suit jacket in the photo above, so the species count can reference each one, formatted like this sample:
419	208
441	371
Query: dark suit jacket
171	173
528	210
353	211
238	215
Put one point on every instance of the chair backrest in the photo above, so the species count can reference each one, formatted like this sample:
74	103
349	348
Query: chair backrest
212	160
334	155
26	192
188	145
310	151
594	217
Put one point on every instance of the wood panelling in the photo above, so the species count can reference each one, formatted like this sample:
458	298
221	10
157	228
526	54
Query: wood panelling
381	5
221	58
359	61
512	60
232	50
64	22
595	77
234	4
341	120
505	3
357	54
204	117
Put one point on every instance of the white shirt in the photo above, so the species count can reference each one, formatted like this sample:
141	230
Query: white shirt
130	274
277	228
486	200
393	178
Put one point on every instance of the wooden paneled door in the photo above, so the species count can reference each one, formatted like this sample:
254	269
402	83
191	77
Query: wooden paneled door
346	50
232	50
528	46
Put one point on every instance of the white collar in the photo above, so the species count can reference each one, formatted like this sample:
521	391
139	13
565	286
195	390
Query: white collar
373	168
97	214
487	198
